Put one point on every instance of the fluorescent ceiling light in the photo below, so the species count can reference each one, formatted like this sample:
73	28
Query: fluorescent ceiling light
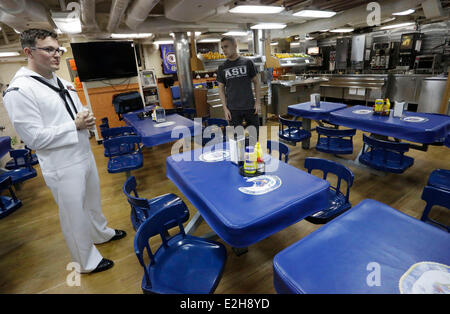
195	33
274	44
66	23
315	13
324	30
342	30
294	44
163	42
406	12
397	25
235	33
256	9
9	54
209	40
138	35
268	26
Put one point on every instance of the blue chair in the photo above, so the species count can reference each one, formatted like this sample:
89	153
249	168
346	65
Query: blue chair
20	174
335	141
189	113
19	162
8	204
183	263
338	203
119	131
282	149
176	96
142	209
440	178
221	123
385	155
435	197
291	131
121	158
109	133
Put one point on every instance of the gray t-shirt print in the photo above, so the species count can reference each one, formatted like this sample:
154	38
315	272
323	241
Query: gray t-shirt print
237	77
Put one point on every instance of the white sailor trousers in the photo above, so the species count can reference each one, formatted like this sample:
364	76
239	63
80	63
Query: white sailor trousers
76	190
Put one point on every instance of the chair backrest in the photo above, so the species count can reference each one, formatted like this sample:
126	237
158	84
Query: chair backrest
175	90
283	149
138	205
436	197
386	145
6	184
21	157
157	224
216	121
335	132
189	113
121	145
342	172
289	123
119	131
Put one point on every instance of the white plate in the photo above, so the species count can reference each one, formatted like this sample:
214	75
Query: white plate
414	119
426	278
215	156
362	111
164	124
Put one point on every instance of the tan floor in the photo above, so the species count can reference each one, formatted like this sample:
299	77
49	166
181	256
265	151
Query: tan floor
34	256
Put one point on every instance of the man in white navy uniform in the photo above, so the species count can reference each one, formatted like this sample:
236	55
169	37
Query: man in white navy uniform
49	117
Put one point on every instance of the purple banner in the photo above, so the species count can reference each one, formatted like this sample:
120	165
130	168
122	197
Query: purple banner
169	60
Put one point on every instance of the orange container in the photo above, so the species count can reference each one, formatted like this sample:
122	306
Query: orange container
73	66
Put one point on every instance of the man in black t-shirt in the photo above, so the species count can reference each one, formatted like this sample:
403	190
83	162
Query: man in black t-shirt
235	77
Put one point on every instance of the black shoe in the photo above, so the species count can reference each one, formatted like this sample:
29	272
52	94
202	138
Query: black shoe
119	235
103	265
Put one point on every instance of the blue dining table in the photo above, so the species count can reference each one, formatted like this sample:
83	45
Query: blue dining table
308	112
370	249
425	128
153	133
242	210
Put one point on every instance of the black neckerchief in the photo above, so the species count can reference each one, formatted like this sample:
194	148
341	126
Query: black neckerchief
62	93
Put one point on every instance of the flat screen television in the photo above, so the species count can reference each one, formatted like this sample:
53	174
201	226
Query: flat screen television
102	60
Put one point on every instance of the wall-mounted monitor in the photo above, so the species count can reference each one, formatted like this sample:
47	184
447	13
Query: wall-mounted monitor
104	60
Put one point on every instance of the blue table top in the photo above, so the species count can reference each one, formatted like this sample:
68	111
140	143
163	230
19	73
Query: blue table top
5	145
336	258
153	133
433	127
305	110
241	219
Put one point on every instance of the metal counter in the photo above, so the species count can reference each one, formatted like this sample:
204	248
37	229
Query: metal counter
286	93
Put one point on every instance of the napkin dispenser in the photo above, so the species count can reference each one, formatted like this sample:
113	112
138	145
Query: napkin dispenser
315	100
159	115
399	106
237	149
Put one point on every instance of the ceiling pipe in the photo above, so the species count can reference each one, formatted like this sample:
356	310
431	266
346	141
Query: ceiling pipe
88	15
4	36
164	25
21	14
116	14
138	12
356	16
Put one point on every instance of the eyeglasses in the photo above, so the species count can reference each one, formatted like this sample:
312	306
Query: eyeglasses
50	50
